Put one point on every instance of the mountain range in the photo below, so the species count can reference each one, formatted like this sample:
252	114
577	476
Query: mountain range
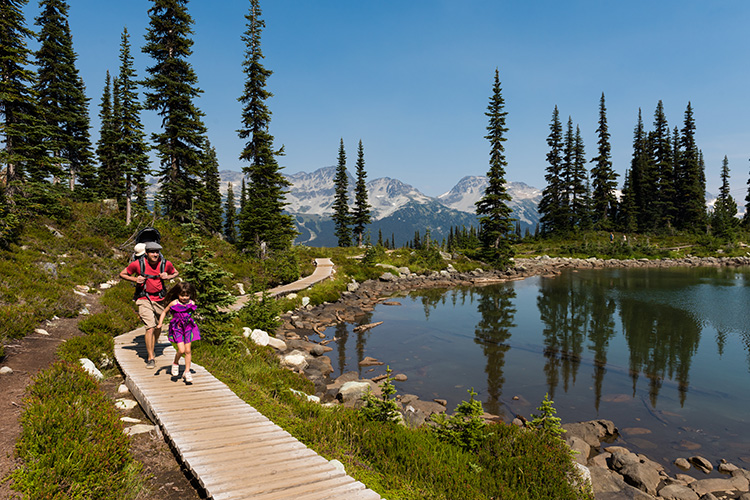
398	209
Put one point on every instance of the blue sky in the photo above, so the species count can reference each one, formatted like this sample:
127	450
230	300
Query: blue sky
412	79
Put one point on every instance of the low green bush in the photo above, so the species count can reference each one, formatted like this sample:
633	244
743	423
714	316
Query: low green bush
72	443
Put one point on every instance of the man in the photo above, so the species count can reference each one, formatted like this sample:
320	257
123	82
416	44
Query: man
149	291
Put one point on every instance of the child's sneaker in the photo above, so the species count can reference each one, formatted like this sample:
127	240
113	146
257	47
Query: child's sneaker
188	377
175	369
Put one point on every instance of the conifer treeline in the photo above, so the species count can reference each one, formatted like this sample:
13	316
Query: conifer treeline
48	154
663	190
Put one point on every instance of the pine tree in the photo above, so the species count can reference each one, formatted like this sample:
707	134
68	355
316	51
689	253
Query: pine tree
172	88
262	222
579	191
689	184
627	219
63	105
603	177
109	179
553	205
17	104
230	219
723	219
341	217
208	205
495	221
662	155
133	164
643	179
361	213
243	196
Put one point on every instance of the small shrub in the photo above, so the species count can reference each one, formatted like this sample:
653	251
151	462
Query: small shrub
465	428
262	313
546	422
72	444
96	347
383	409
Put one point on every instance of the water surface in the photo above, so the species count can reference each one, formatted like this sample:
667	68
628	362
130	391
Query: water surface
664	353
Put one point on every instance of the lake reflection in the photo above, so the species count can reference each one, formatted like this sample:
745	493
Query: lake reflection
664	353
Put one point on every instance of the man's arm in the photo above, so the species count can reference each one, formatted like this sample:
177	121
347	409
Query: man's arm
135	279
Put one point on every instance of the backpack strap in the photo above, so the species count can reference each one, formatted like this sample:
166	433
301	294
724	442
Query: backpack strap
140	291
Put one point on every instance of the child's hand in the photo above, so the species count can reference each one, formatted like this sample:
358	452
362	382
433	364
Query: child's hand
159	325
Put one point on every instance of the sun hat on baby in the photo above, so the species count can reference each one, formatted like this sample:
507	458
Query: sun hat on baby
139	249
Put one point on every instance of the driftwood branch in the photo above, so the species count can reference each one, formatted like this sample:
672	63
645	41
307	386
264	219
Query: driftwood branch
362	328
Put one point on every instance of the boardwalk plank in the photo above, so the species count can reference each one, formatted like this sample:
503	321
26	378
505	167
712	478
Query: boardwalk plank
231	448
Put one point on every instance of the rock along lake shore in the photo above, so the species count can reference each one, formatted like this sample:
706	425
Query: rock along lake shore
615	472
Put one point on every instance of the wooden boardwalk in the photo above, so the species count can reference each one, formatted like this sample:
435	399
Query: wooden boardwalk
230	448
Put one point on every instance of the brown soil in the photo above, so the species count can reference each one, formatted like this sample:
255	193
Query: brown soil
165	478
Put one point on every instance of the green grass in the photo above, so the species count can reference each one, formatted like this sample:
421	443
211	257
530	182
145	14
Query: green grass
72	444
398	462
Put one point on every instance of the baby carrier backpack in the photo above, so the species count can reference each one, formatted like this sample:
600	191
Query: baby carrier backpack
147	235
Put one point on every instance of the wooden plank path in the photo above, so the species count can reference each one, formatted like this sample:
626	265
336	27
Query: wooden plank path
230	448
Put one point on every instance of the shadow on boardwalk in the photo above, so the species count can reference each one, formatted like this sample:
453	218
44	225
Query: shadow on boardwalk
232	450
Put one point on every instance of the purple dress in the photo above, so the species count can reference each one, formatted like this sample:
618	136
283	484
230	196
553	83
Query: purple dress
182	327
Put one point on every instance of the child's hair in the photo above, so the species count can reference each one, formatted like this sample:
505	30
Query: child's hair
181	288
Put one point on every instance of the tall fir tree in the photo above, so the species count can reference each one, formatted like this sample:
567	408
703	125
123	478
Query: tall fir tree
579	184
689	184
230	216
262	221
133	165
723	220
361	215
627	214
341	216
495	221
171	91
603	177
110	179
63	104
19	124
553	205
662	155
643	178
208	205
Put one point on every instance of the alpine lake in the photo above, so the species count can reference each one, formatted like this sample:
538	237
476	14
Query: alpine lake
662	352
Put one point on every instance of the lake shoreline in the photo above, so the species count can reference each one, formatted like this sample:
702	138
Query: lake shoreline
303	327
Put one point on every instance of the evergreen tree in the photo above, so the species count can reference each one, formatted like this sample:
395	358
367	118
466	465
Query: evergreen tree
262	222
567	175
172	88
341	217
230	219
662	155
361	213
628	213
579	181
723	220
105	146
495	221
553	205
603	177
643	179
19	123
208	205
63	104
133	164
689	184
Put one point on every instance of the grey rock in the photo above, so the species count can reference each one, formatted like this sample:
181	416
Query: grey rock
677	492
701	464
581	449
608	485
703	486
682	463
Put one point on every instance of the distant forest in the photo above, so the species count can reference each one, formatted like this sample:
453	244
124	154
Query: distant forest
48	155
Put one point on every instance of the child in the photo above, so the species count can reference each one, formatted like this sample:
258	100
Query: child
180	301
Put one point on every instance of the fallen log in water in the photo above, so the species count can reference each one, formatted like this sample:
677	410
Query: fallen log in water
362	328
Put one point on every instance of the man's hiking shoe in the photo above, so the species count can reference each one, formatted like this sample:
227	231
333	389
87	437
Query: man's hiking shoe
150	363
188	377
175	369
